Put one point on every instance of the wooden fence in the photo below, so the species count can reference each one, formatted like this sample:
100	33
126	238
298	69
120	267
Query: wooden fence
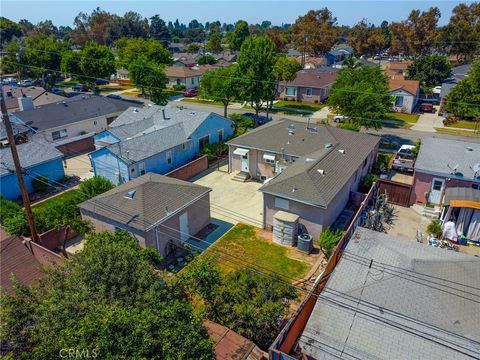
398	193
287	338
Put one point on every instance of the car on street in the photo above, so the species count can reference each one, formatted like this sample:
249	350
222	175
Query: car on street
80	88
57	91
190	93
101	82
340	118
427	107
404	159
26	82
114	96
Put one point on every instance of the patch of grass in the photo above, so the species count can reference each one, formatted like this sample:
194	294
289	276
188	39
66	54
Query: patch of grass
202	101
298	106
457	132
244	242
47	204
410	118
132	93
111	88
397	124
465	124
67	83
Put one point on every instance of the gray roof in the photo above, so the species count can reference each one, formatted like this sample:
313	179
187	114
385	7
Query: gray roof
302	180
156	198
461	193
77	108
31	154
414	302
16	128
460	72
145	132
440	156
446	88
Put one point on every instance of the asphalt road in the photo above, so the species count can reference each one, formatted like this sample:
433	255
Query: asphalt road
401	136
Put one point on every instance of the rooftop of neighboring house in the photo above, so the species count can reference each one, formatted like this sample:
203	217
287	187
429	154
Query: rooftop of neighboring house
39	96
461	72
390	298
185	71
398	65
146	200
31	153
19	260
314	60
410	86
226	55
71	110
449	158
313	78
328	157
341	49
16	128
151	130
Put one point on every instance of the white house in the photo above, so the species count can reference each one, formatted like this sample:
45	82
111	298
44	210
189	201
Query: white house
405	93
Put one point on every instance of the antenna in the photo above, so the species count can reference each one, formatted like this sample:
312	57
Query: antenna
454	168
476	169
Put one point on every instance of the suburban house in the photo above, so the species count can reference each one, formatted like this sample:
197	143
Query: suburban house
26	98
405	93
459	73
38	158
226	57
310	86
185	59
338	53
74	117
161	212
155	139
396	69
312	62
186	76
377	303
307	170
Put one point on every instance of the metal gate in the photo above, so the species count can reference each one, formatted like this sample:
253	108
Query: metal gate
398	193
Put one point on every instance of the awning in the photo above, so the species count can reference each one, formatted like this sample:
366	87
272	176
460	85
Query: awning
462	197
241	152
268	156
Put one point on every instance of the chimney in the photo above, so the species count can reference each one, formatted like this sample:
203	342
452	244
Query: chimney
25	103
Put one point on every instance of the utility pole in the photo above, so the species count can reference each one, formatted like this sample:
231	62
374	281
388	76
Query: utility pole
18	169
305	39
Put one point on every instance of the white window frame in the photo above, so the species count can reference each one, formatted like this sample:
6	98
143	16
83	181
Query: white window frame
62	134
168	155
294	91
281	203
399	97
307	90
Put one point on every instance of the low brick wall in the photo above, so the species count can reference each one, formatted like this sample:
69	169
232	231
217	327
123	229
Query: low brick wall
77	147
191	169
53	238
43	255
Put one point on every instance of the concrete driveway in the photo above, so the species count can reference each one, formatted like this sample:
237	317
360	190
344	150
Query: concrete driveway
428	122
232	201
79	166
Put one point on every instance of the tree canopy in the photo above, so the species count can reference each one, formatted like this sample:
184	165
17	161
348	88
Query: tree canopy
129	49
108	299
238	35
9	29
149	76
430	70
221	85
464	99
367	39
361	94
214	43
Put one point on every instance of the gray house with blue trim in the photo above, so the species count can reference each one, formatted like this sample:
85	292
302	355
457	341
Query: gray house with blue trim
155	139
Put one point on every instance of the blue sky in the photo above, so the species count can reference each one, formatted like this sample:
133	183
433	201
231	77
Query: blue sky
253	11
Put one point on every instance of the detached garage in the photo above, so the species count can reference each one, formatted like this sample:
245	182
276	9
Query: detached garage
161	212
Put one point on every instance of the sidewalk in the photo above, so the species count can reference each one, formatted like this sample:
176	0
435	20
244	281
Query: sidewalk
321	114
428	122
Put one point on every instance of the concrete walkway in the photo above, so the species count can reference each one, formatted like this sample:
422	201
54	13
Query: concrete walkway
321	114
427	122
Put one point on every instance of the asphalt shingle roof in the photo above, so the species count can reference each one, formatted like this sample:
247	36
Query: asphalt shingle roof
77	108
440	156
156	197
31	153
415	302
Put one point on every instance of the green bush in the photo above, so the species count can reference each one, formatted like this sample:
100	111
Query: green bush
40	184
416	149
349	126
215	150
95	186
17	224
382	163
366	182
8	209
179	87
435	229
242	124
328	240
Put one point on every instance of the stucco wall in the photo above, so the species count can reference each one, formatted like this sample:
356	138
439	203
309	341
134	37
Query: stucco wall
318	95
106	164
189	82
409	101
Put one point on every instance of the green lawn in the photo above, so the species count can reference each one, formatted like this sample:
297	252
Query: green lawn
457	132
410	118
45	205
111	88
243	242
298	106
202	101
465	124
70	83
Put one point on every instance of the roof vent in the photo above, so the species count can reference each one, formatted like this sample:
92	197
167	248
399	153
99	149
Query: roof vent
322	172
341	151
192	112
469	148
294	189
149	105
135	110
312	130
130	194
309	160
328	146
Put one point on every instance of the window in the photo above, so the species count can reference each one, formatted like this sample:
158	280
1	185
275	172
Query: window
309	92
60	134
269	158
437	185
94	122
220	135
169	157
281	203
399	101
476	186
290	91
204	141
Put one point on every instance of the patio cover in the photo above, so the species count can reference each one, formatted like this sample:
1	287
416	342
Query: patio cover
462	197
241	152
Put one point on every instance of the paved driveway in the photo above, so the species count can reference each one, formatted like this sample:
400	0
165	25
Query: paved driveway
79	166
232	201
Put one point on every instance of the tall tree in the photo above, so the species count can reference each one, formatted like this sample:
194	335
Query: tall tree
46	28
214	43
158	30
10	63
109	300
93	27
256	68
285	69
8	30
149	77
430	70
70	63
464	99
315	32
129	49
361	94
279	37
238	35
221	85
366	39
96	62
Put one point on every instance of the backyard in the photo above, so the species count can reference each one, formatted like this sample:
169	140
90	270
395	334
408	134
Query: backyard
56	200
248	244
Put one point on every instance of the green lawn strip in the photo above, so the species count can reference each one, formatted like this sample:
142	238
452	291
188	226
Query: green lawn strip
465	124
243	242
397	124
457	132
298	106
45	205
202	101
410	118
111	88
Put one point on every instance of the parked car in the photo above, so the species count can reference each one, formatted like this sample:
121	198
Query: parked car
261	119
427	107
340	118
57	91
190	93
79	87
404	159
101	82
114	96
26	82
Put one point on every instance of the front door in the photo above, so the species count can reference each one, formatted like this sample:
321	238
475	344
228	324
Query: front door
244	163
436	191
184	231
